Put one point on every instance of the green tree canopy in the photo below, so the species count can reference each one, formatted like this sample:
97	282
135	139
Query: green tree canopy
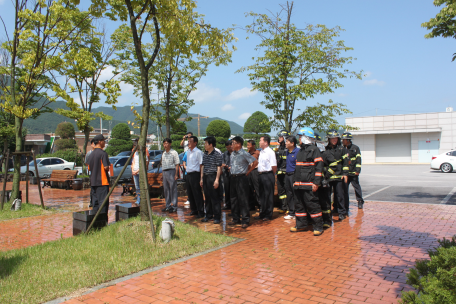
65	130
296	65
218	128
257	123
121	131
444	23
179	128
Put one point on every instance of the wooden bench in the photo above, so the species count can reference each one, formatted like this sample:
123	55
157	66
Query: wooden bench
155	182
63	176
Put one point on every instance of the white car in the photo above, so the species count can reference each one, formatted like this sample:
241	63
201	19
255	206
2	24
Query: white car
47	164
444	162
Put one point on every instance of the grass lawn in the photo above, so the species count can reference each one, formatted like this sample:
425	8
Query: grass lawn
55	269
26	210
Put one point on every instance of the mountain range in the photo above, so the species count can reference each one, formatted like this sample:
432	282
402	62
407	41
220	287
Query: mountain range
47	122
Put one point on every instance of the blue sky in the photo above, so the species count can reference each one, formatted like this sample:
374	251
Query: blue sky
405	73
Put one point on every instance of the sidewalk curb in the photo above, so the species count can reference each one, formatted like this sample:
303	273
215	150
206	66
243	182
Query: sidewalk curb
142	272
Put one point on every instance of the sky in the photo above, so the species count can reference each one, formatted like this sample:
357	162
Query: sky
403	71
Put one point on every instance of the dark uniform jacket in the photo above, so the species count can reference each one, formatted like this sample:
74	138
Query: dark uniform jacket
309	168
354	159
336	163
281	156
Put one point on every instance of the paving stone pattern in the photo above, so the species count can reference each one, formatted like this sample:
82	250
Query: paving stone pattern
363	259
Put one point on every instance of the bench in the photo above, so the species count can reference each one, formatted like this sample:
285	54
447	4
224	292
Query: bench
63	176
155	182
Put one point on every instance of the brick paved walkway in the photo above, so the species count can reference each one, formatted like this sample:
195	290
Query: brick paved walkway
361	260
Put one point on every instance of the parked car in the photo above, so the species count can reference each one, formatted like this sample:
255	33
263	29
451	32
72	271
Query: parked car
444	162
124	153
118	162
155	169
47	165
154	153
155	161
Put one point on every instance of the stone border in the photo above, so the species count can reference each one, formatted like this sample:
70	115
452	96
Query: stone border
142	272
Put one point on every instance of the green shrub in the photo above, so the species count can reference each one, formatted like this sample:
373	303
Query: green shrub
65	144
65	130
121	131
68	155
257	123
118	145
218	128
434	279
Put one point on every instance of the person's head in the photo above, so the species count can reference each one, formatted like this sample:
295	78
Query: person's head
188	135
265	141
291	142
228	146
307	136
237	143
347	139
209	143
135	143
192	142
251	145
92	144
333	137
167	143
99	141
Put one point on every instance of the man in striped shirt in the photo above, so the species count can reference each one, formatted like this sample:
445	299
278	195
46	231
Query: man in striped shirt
210	177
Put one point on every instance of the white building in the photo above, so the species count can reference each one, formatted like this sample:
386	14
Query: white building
410	138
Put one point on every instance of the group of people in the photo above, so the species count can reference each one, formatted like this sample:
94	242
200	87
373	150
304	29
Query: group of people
308	174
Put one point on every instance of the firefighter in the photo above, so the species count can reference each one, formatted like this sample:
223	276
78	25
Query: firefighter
281	156
307	179
354	169
335	176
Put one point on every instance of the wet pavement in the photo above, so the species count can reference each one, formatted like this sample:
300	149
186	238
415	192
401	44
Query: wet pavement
363	259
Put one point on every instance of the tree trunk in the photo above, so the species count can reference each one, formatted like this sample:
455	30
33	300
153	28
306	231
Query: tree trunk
144	210
17	162
84	149
5	148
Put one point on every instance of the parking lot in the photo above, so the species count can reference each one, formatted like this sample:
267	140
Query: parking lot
407	183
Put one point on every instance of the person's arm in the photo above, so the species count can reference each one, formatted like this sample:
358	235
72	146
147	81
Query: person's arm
358	161
319	164
345	167
201	174
273	160
252	166
176	163
105	161
182	141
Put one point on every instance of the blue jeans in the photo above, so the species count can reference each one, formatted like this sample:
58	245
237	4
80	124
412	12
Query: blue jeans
136	181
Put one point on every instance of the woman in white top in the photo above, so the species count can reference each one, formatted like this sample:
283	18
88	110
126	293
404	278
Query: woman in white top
135	170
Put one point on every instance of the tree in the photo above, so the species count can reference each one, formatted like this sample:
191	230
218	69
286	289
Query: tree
179	128
218	128
84	63
65	130
297	65
121	140
444	23
172	21
40	28
258	122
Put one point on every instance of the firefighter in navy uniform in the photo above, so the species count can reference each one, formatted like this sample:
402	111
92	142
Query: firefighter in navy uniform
307	179
354	169
335	175
281	156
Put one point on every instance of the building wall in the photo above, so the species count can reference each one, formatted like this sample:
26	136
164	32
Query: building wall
366	144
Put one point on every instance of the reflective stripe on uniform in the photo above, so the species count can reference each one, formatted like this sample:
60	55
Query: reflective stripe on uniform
300	214
317	173
331	171
302	184
316	215
318	159
353	158
326	211
284	157
280	172
345	168
282	196
358	165
335	163
344	156
305	164
335	177
358	155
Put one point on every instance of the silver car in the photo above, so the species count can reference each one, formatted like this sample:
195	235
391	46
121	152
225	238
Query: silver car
47	165
118	162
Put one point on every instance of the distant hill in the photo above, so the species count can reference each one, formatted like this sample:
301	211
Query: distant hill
47	122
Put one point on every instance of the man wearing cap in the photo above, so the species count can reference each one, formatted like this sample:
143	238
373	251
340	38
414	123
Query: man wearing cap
98	163
354	169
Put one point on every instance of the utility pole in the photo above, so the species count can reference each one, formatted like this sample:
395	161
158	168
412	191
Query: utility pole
199	123
101	126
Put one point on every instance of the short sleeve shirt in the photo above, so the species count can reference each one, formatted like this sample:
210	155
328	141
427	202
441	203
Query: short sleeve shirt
240	161
170	159
267	160
186	146
211	161
291	159
194	160
97	161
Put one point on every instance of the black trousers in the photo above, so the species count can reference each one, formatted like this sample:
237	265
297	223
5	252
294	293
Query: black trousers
324	195
281	191
291	197
99	194
213	208
240	198
267	181
254	180
354	180
226	188
220	189
307	202
195	195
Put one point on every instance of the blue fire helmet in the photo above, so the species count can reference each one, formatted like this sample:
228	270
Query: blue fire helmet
307	132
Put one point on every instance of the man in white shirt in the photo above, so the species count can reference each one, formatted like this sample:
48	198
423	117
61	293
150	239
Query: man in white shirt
267	167
194	162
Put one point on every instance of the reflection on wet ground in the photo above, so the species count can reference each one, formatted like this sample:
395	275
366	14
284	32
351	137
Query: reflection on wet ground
362	259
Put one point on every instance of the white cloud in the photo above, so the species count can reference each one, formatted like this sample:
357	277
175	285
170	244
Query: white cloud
205	93
374	82
244	116
227	107
242	93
